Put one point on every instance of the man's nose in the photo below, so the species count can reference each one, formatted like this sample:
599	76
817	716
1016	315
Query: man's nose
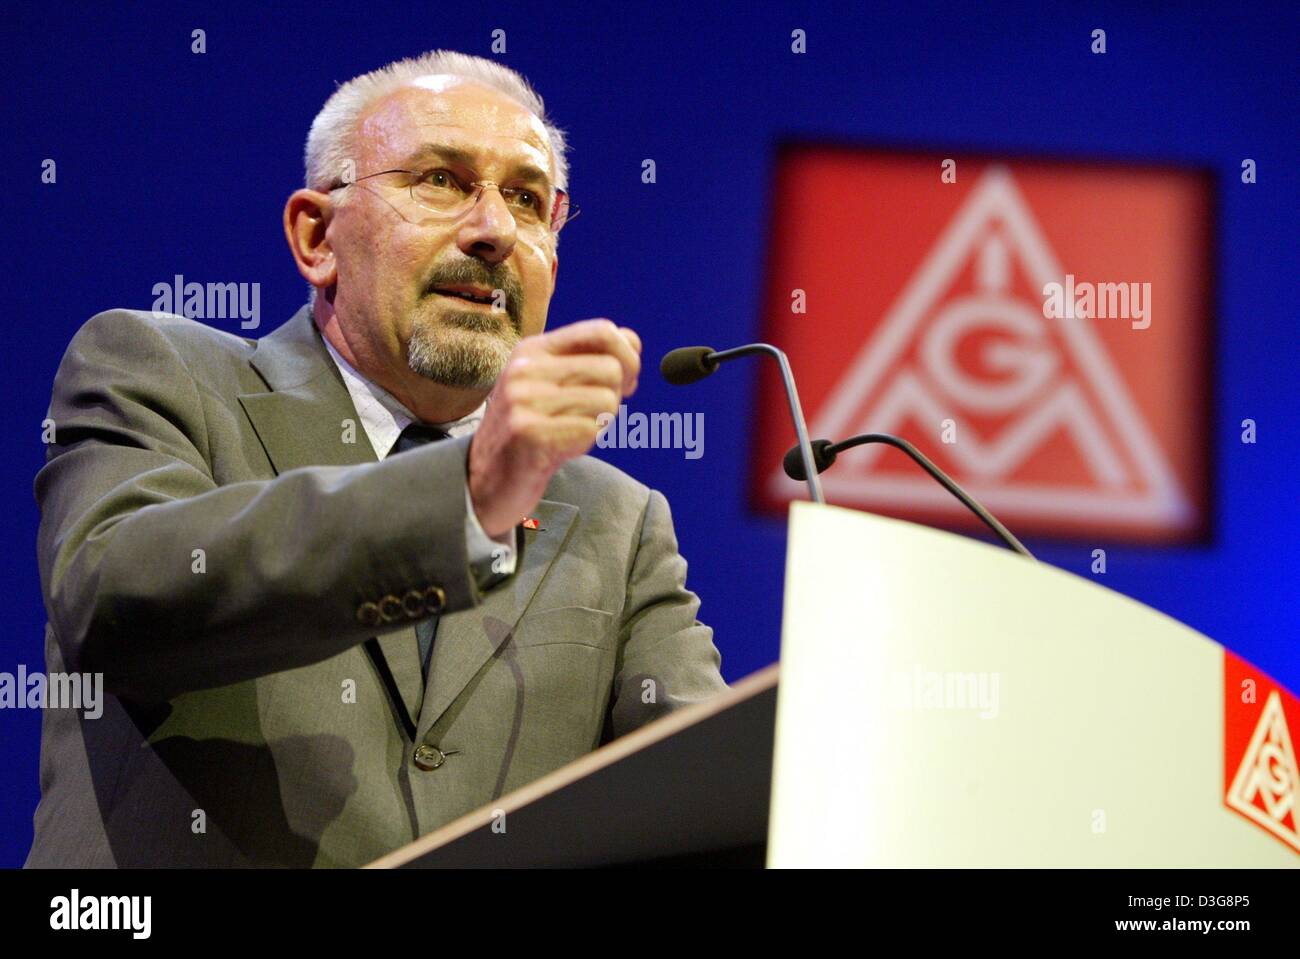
488	230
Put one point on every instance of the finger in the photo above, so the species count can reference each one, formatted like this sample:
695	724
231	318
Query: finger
589	401
631	336
592	369
596	336
574	435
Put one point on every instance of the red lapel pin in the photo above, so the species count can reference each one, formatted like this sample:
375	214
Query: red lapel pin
530	523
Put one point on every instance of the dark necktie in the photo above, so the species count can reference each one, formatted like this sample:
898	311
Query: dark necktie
417	434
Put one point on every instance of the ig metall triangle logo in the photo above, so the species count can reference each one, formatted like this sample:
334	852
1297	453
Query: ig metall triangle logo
1262	780
1264	789
1004	330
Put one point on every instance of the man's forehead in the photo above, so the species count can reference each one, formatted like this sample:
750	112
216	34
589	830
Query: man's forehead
443	109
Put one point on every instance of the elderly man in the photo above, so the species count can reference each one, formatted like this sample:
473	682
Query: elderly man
355	579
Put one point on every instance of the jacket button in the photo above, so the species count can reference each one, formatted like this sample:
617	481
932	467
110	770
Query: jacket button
390	608
429	757
434	599
368	614
413	604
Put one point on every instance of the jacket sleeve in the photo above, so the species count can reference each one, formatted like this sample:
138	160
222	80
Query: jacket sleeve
165	582
666	656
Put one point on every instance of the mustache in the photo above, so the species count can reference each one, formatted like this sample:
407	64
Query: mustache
495	277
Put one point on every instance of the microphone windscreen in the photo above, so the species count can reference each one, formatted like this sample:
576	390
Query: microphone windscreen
793	462
687	365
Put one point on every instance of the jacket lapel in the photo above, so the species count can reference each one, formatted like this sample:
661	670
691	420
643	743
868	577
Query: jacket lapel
300	419
469	639
300	422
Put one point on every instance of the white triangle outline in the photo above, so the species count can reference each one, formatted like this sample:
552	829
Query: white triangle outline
996	197
1273	712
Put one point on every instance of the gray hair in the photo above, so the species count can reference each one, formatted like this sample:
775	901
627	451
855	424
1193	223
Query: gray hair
330	144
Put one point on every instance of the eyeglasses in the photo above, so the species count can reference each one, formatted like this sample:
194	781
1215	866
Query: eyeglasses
441	193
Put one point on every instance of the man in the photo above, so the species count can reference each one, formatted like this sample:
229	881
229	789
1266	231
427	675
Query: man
338	593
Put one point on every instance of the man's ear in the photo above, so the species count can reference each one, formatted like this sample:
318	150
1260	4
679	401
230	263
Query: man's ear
307	214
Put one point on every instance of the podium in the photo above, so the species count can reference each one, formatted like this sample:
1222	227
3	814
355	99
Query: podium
942	702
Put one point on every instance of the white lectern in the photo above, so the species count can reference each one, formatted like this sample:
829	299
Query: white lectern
948	703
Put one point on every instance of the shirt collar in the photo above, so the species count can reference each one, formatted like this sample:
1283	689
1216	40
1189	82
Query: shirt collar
383	416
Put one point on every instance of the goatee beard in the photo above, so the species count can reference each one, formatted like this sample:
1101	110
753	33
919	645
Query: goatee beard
462	349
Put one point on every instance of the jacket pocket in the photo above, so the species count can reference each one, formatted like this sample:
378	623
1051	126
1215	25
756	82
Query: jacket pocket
574	625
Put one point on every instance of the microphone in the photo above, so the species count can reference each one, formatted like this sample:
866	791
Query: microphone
823	453
689	364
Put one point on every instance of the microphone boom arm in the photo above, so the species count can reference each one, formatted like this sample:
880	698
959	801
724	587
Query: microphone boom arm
796	411
946	481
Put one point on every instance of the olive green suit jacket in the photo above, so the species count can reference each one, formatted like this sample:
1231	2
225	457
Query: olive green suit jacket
217	539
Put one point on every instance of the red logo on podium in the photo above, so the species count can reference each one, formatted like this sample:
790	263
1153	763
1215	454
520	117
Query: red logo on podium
1037	329
1260	771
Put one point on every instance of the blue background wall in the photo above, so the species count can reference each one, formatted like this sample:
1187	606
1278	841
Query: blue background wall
171	162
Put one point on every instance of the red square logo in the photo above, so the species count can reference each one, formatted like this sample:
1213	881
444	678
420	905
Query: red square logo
1039	329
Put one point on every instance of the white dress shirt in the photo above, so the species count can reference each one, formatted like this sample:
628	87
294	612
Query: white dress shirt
383	417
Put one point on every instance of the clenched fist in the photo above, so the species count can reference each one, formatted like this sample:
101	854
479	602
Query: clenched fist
543	411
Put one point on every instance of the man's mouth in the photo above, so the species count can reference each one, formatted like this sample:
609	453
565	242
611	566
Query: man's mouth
470	294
